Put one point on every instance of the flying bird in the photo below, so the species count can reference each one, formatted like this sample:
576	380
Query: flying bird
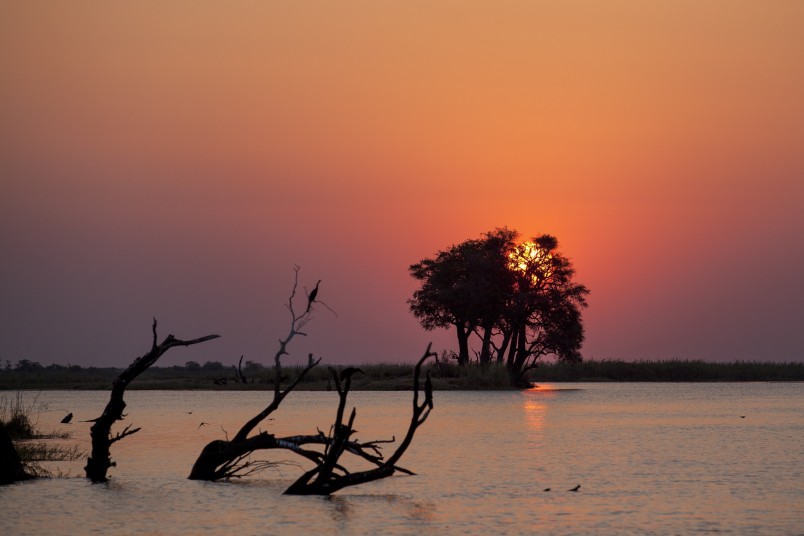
67	418
547	489
203	424
576	488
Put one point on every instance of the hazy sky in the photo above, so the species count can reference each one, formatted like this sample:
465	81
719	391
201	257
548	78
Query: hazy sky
176	159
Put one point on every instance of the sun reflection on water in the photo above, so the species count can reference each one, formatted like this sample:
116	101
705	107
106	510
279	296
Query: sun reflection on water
535	405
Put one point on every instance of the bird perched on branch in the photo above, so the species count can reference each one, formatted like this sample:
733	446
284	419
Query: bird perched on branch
312	295
348	371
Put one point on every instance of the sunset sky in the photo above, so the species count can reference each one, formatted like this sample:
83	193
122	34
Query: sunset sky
176	159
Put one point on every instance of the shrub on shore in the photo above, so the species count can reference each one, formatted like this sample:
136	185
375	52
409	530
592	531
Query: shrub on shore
19	419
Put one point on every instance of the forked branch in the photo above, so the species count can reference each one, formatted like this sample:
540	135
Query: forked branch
328	476
100	460
227	459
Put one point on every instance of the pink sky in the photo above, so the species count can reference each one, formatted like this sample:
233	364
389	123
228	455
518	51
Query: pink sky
177	159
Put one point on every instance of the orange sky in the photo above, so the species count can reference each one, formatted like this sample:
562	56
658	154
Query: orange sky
176	159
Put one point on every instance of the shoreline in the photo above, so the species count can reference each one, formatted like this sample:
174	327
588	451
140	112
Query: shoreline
396	377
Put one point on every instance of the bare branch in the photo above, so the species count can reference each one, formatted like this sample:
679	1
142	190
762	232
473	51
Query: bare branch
100	461
231	459
323	480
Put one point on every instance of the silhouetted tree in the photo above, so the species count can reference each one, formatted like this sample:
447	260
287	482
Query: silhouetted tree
518	299
465	287
543	313
26	365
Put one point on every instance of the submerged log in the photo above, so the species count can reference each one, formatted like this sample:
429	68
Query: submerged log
100	460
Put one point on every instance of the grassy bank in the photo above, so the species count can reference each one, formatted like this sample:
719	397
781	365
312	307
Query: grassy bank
379	377
389	377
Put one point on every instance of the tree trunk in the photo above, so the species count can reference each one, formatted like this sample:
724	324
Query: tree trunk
512	350
100	459
520	357
485	348
463	345
504	346
221	459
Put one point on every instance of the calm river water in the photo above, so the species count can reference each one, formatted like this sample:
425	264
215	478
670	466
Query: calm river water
650	459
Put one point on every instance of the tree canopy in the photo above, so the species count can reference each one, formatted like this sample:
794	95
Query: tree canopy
518	298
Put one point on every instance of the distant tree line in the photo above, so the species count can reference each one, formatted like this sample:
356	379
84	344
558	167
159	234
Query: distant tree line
26	365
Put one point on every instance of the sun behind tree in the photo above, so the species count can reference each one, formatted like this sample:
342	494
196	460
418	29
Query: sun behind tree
531	260
518	299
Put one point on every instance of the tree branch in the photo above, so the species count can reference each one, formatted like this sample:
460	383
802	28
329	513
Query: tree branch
100	461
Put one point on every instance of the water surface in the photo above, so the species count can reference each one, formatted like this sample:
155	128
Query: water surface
650	459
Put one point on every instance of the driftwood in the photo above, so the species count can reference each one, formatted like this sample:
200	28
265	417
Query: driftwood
100	460
225	459
230	458
329	475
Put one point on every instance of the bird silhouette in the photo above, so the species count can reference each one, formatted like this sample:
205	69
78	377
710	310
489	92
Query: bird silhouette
547	489
576	488
312	295
203	424
348	371
67	418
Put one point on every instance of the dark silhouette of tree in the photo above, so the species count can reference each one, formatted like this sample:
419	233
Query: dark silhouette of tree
543	314
466	287
520	300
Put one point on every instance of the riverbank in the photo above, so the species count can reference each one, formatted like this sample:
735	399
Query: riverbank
391	377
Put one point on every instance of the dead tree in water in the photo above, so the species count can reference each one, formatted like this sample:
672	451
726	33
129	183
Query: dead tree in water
100	460
329	475
227	459
222	459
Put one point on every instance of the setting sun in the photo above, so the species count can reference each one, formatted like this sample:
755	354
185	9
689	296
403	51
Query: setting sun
534	261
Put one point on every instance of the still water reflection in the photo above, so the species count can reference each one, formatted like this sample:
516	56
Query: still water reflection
650	458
